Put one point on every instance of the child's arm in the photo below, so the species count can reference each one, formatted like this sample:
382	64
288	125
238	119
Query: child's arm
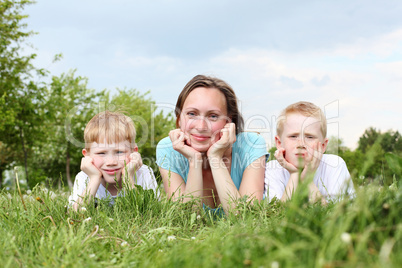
134	163
294	174
95	179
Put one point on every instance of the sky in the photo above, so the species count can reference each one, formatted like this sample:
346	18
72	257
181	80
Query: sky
344	56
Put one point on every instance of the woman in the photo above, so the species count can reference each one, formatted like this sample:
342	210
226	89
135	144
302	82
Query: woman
208	156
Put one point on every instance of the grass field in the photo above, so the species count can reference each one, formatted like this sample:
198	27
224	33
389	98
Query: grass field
142	231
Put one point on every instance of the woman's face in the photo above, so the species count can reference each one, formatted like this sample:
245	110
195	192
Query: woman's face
203	116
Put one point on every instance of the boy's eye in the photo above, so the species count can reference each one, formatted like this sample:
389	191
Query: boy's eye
121	152
100	153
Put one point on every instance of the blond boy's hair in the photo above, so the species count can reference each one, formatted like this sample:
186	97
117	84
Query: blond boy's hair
114	127
305	108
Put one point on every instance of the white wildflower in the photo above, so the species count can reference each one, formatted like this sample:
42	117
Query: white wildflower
83	209
193	238
9	196
160	250
45	190
198	217
275	264
111	219
29	191
124	244
346	238
92	255
171	238
87	219
52	195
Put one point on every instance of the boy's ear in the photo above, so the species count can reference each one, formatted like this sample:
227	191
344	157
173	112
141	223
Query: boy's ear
278	142
84	152
324	145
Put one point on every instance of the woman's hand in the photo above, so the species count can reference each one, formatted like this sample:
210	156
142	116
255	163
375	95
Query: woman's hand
227	138
181	143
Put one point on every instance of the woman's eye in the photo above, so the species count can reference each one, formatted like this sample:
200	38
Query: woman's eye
213	117
191	114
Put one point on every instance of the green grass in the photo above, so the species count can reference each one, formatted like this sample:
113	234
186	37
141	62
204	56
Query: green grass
142	231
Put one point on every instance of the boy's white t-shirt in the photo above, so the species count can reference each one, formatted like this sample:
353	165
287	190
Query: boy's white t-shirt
332	178
145	178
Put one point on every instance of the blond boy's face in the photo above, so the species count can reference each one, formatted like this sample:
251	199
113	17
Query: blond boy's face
110	158
301	136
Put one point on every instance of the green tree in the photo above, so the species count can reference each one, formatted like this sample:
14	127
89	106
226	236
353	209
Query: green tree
69	105
20	97
369	137
374	145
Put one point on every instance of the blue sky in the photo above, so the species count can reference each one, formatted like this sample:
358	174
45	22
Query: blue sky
345	56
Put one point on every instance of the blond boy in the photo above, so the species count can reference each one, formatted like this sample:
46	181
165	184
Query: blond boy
110	159
301	142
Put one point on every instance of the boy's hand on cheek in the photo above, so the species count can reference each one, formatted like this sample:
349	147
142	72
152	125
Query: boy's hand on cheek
280	156
133	163
87	165
313	160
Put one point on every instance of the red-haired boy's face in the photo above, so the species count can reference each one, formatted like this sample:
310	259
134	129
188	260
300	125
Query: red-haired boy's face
300	137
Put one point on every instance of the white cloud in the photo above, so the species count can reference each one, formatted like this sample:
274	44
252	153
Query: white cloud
381	46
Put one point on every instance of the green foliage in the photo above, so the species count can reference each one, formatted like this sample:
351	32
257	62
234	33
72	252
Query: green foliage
369	162
140	230
272	153
20	96
389	141
69	105
394	163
